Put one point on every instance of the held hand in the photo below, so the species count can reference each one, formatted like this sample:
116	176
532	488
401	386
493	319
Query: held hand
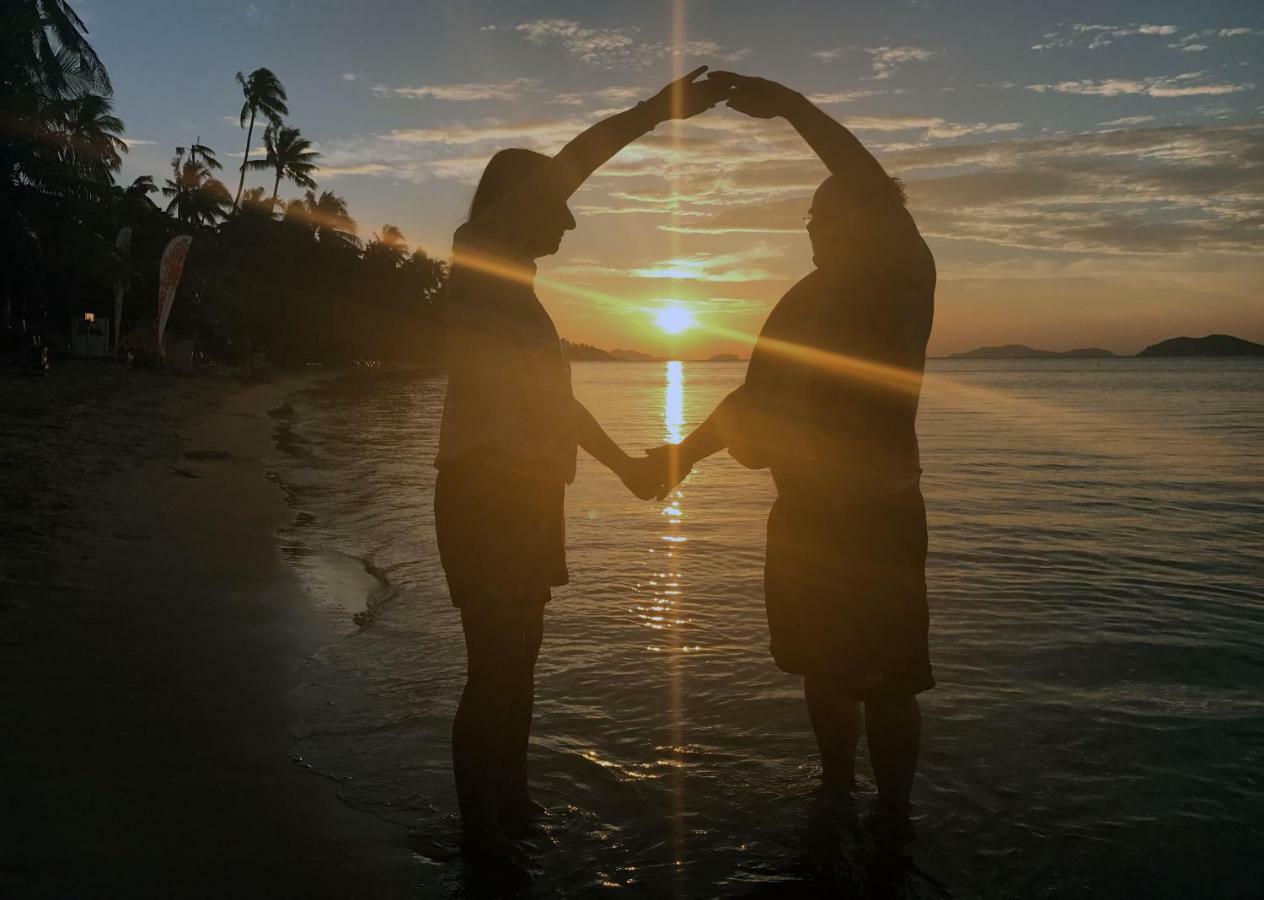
642	476
686	97
756	97
670	465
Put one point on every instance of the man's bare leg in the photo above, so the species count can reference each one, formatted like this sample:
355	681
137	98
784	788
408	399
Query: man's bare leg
894	726
837	724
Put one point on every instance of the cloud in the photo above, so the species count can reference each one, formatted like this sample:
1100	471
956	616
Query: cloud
498	90
884	59
887	59
603	95
349	76
135	142
1190	84
590	45
1129	120
467	91
845	96
1178	189
739	266
548	133
934	127
783	216
355	169
1159	190
1098	36
611	47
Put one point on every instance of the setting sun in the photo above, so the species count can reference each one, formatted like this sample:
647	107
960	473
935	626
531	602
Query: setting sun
674	319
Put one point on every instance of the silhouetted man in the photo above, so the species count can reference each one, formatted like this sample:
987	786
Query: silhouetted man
829	404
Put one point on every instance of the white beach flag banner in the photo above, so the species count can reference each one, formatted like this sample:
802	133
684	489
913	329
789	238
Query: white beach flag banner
169	272
123	244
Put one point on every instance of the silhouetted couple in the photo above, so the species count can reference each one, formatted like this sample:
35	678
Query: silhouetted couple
828	404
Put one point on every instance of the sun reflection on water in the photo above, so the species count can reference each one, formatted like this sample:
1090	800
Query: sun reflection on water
668	598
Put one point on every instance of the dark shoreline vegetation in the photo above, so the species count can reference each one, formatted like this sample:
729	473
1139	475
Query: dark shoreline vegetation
288	277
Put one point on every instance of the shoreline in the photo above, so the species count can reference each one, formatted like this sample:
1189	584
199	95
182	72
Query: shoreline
152	636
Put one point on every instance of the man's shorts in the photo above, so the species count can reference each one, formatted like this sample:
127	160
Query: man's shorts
845	589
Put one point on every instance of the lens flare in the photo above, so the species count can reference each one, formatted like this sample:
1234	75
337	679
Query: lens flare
674	319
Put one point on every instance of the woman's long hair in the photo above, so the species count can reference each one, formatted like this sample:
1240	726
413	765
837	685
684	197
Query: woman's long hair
505	170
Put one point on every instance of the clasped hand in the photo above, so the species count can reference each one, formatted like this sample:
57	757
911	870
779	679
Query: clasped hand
757	97
651	476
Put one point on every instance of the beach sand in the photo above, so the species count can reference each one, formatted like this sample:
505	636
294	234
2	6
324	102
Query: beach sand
149	635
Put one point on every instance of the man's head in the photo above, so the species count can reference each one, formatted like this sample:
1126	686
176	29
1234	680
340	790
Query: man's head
844	217
505	171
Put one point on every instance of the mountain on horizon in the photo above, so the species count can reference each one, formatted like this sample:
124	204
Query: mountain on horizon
1022	351
1211	345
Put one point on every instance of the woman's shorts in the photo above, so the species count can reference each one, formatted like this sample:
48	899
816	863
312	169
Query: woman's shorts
501	530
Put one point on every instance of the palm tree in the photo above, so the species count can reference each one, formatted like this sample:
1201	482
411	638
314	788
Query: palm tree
46	38
59	150
85	134
196	149
328	214
387	248
264	94
197	197
256	202
289	155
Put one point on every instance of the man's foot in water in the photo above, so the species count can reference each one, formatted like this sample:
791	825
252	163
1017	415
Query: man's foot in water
490	852
521	817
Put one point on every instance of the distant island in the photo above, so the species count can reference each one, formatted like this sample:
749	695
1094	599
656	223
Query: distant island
727	357
1022	351
1211	345
585	352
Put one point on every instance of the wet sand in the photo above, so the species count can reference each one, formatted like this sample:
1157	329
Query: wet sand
149	636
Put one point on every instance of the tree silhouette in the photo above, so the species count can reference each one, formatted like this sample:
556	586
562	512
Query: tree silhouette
289	155
197	197
387	249
330	218
265	94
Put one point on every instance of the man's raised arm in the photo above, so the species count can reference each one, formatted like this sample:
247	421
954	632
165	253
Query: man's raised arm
840	150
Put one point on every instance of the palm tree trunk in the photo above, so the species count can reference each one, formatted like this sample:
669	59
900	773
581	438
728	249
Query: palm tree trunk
276	186
241	182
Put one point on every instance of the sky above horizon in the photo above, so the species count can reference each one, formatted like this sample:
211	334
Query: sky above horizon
1086	174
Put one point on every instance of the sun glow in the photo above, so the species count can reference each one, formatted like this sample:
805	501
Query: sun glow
674	319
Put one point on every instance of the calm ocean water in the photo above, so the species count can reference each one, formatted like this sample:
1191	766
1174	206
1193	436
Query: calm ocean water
1097	600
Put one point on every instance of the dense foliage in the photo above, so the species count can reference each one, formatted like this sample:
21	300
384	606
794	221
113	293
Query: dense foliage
289	277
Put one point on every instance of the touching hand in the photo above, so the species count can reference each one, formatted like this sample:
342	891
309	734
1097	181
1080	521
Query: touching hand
757	97
642	476
671	467
686	97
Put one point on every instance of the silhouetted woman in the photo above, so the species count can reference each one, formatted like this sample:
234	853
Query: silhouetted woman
507	451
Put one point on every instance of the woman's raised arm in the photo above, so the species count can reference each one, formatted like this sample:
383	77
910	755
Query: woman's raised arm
561	176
